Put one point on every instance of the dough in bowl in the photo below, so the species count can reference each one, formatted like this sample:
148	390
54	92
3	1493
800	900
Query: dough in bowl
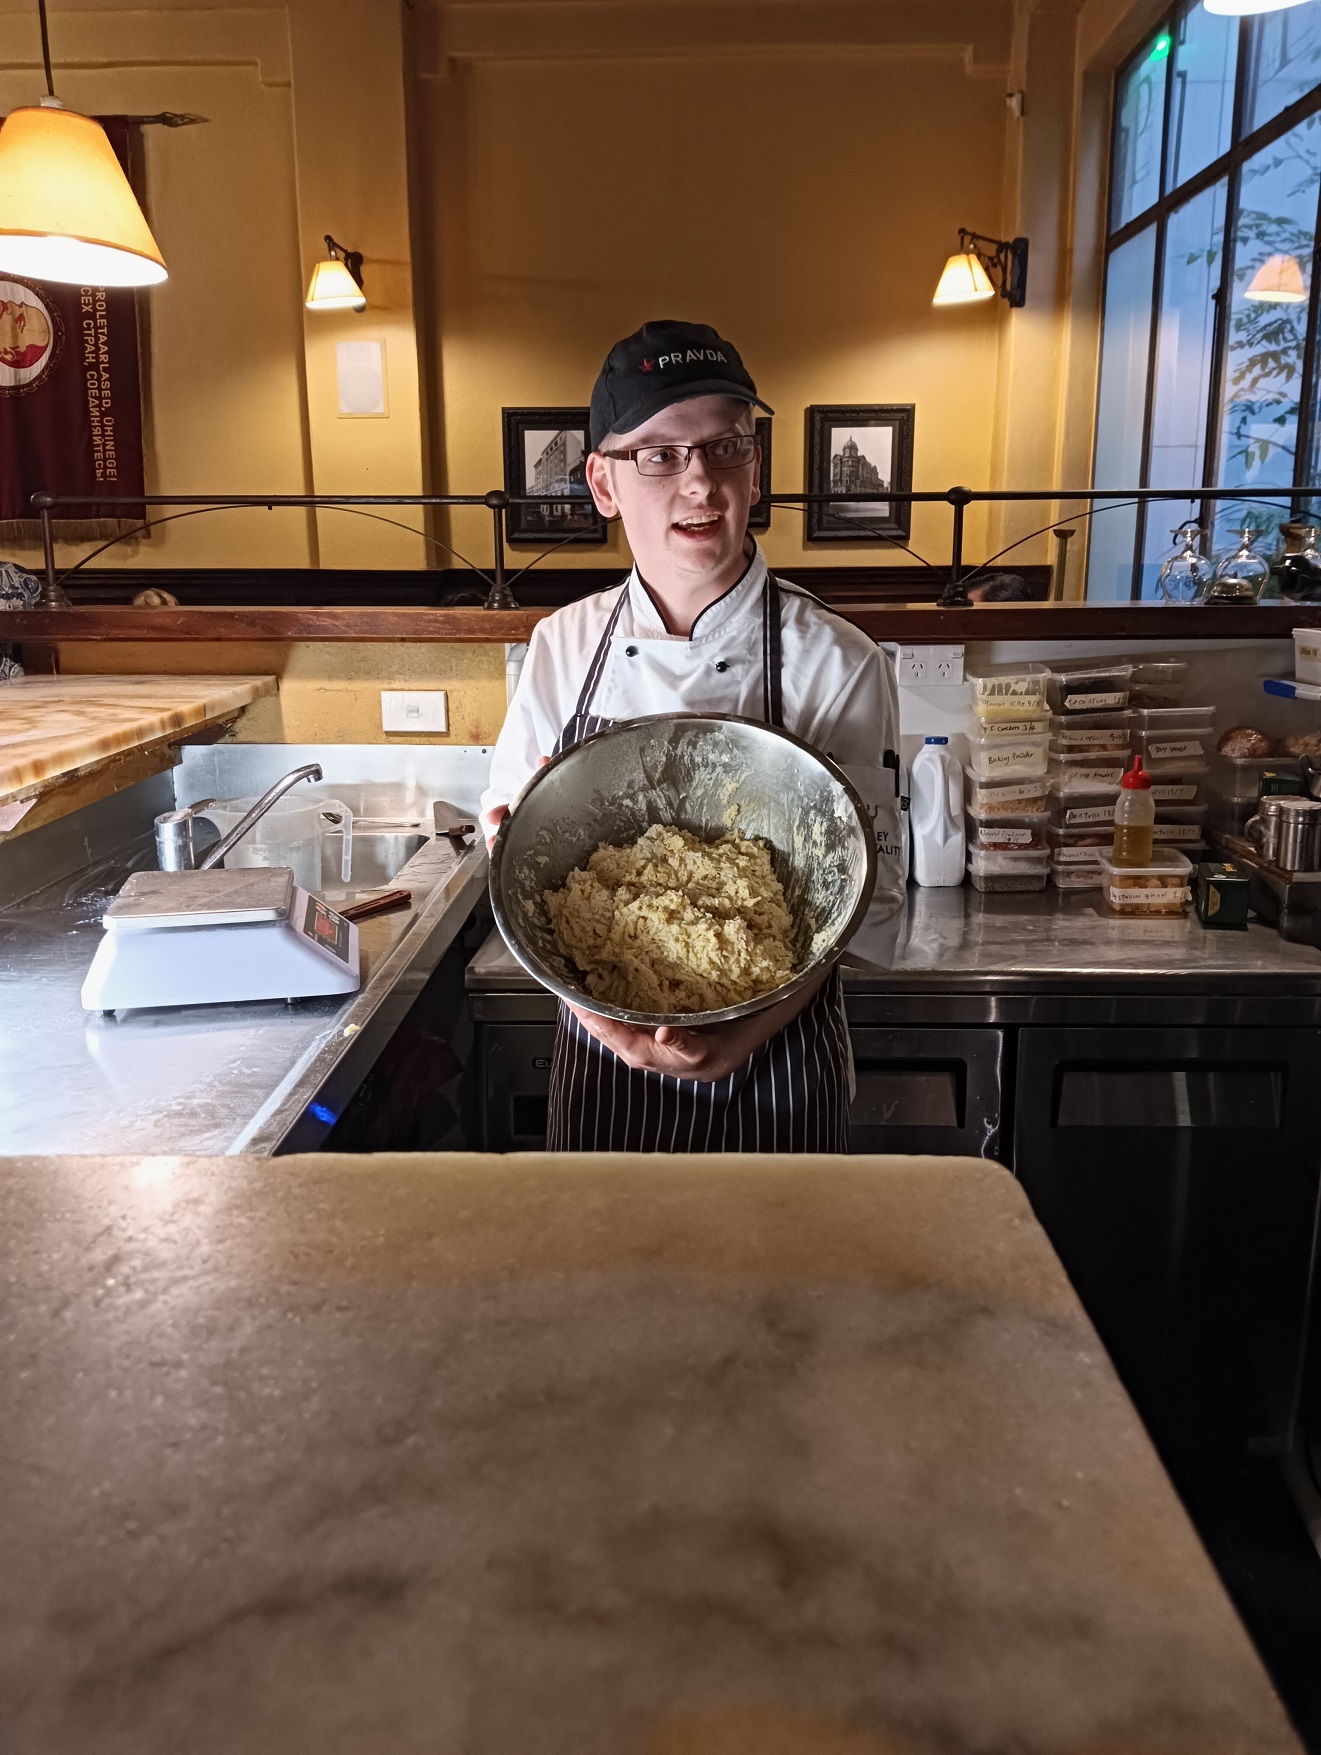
676	924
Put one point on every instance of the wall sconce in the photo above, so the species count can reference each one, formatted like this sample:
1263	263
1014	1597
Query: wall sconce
1279	281
67	212
973	272
337	282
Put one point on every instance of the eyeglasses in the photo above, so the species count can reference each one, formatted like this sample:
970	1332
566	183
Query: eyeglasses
729	453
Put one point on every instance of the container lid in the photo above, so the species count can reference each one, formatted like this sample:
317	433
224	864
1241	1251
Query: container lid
1135	780
1165	862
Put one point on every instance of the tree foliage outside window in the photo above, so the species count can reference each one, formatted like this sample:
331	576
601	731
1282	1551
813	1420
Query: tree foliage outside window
1234	106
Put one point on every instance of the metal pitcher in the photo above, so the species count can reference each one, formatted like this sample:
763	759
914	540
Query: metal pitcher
1287	832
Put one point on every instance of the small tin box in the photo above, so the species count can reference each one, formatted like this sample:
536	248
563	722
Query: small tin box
1221	894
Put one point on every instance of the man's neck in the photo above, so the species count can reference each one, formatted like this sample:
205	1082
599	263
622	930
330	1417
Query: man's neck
679	604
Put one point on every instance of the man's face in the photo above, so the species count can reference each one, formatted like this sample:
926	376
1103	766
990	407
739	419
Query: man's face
688	528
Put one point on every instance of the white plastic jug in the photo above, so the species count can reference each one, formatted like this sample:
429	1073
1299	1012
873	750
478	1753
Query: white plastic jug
936	815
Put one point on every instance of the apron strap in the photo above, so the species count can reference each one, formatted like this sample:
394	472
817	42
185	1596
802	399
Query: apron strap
771	660
597	665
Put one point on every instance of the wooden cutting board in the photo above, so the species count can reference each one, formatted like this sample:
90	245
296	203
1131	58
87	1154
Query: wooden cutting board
54	726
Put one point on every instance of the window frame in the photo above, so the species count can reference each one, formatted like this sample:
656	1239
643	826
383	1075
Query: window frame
1229	166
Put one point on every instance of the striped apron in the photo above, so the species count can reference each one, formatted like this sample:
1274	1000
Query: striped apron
791	1095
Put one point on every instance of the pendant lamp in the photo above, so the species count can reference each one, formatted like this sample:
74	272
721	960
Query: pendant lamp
67	212
1279	281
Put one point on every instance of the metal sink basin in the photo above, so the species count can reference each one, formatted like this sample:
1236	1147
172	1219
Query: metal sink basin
378	855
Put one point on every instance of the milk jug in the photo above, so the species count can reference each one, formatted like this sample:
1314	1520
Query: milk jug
936	815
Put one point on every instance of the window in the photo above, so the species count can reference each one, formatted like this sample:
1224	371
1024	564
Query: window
1209	360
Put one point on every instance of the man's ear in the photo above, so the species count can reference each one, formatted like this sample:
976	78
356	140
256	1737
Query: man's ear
756	479
598	482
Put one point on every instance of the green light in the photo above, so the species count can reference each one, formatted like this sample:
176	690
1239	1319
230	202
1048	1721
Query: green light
1160	48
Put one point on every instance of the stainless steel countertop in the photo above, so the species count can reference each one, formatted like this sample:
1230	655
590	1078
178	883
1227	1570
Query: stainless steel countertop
213	1079
962	938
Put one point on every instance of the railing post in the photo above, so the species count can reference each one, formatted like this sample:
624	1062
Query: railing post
499	596
955	594
53	594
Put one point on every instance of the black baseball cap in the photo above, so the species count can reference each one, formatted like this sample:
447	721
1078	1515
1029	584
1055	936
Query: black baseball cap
662	363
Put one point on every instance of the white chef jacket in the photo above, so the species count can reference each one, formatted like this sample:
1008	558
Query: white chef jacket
838	689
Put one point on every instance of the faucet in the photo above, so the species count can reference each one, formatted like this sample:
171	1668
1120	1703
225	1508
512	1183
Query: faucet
174	830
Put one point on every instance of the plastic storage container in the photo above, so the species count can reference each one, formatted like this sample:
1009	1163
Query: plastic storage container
1159	684
1078	846
992	872
1075	876
1182	787
1092	771
1089	688
1070	733
1090	809
1166	750
935	815
1008	758
1008	691
1163	887
1240	776
1004	797
1307	654
1005	833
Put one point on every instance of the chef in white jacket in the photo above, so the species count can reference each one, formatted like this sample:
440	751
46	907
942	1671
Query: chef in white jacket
700	625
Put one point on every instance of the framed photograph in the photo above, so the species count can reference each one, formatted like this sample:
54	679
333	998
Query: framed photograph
863	447
546	452
759	518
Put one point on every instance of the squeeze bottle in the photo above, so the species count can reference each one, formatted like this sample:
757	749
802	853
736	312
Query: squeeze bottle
1135	812
936	815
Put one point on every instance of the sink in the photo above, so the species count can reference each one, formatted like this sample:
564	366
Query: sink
378	855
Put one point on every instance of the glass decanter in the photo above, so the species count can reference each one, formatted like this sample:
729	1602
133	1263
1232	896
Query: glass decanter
1240	577
1186	574
1299	569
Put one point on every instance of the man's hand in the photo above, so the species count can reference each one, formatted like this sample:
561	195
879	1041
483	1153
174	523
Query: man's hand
492	819
706	1054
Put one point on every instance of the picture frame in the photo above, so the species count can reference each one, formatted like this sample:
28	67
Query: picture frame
868	446
545	449
759	518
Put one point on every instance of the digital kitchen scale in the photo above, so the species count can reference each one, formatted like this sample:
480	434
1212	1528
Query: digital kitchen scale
204	937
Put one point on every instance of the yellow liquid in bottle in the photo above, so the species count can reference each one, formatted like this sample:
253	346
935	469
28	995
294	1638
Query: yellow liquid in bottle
1133	844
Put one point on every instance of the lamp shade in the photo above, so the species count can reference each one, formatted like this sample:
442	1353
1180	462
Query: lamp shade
1245	8
1279	281
963	280
67	212
333	288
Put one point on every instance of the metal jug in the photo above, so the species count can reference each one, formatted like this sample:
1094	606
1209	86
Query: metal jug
1287	832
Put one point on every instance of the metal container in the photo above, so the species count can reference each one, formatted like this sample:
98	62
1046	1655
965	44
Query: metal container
709	774
1287	832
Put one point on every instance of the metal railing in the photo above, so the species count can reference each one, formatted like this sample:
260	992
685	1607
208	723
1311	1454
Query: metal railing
498	502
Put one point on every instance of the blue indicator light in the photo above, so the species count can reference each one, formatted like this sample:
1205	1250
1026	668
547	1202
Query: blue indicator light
321	1113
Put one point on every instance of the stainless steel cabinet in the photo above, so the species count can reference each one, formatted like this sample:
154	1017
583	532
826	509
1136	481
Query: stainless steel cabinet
1176	1173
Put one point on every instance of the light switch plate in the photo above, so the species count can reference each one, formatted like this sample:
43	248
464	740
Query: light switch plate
414	710
920	665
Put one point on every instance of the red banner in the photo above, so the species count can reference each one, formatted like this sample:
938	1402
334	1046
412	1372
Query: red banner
70	395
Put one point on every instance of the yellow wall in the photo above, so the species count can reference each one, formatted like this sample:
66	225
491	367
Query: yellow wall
530	179
329	692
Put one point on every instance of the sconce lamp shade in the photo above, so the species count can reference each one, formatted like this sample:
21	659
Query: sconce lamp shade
333	288
67	212
963	280
1246	8
1279	281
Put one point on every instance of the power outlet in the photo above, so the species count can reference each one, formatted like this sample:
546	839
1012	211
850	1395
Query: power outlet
414	710
920	665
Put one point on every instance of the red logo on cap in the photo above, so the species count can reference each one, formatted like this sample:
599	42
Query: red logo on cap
648	365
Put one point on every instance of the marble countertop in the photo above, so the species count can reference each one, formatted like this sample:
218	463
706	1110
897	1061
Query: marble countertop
54	726
581	1456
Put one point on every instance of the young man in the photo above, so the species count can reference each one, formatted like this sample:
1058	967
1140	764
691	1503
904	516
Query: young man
699	626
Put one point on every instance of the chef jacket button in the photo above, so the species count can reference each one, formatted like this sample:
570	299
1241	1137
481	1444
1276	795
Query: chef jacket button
721	665
630	651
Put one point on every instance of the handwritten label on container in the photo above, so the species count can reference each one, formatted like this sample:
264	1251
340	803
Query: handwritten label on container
1170	752
1173	794
1095	703
1142	896
1077	855
1078	814
1014	758
1186	834
1074	738
1011	727
995	837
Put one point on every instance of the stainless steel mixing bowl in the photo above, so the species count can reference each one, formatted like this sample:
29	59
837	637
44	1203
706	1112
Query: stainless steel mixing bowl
710	774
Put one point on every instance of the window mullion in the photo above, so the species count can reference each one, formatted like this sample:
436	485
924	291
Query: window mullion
1224	297
1144	469
1302	462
